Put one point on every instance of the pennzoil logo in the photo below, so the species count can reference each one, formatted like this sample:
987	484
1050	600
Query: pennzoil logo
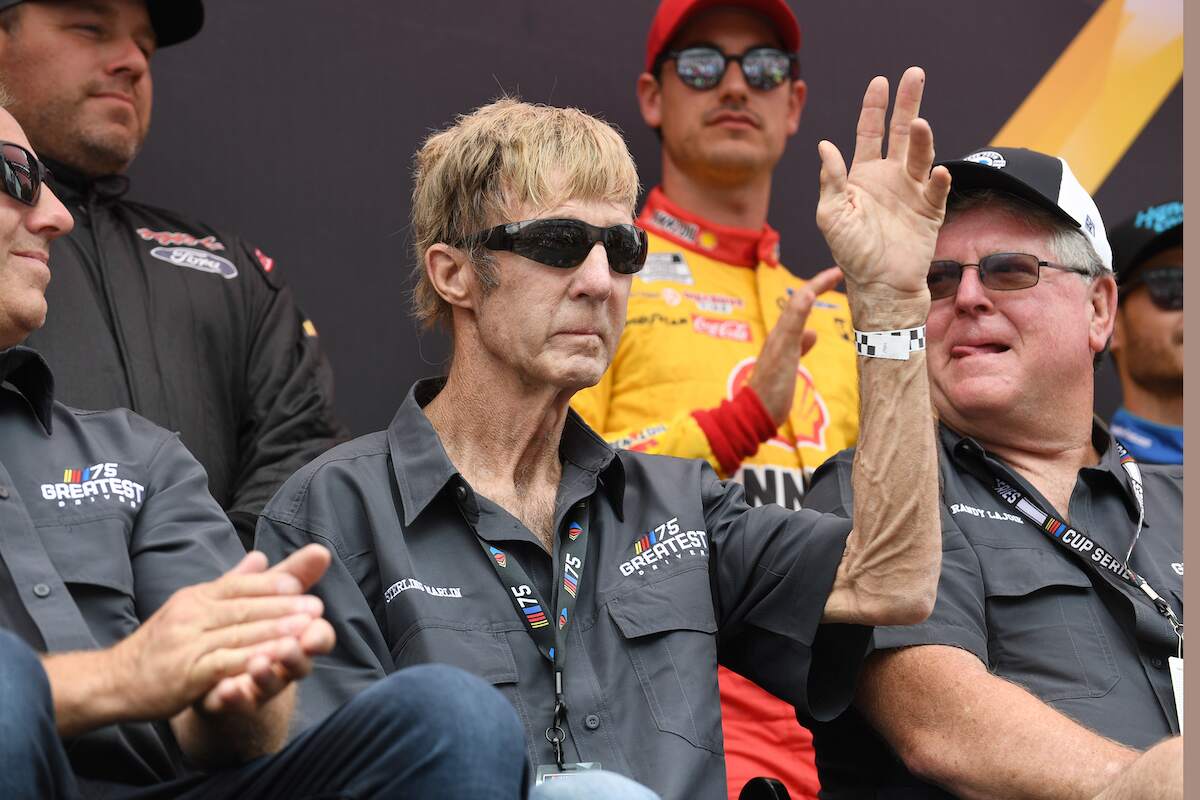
179	237
96	483
663	543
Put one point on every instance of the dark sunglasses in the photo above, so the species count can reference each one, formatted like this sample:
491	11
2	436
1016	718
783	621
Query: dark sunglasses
1165	285
566	243
703	66
23	173
1000	271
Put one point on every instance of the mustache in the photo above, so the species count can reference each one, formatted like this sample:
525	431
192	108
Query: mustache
109	84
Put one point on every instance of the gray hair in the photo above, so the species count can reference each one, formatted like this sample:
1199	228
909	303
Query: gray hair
1068	245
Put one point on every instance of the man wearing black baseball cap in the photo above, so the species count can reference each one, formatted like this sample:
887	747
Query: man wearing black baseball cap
1049	660
151	310
1147	343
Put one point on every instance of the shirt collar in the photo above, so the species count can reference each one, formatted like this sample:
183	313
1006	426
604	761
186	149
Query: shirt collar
28	373
737	246
423	469
960	446
71	184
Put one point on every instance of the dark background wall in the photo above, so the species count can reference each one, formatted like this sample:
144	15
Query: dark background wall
294	123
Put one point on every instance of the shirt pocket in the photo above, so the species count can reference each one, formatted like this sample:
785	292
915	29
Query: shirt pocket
93	561
669	634
481	652
1044	626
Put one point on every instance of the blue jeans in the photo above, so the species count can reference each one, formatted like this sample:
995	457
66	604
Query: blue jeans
427	731
593	785
32	760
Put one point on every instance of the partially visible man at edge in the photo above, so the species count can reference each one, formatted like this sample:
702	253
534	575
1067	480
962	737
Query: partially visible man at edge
1046	665
710	365
142	652
188	325
1147	342
488	502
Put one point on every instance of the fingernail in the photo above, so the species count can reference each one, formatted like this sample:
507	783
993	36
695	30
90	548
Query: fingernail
312	606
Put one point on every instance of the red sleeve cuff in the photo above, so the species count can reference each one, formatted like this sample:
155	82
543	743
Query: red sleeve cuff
736	428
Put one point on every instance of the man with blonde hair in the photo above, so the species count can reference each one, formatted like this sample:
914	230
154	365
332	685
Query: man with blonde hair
491	529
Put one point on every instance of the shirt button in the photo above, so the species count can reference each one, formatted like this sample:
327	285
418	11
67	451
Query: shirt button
591	722
41	590
460	492
1156	662
3	492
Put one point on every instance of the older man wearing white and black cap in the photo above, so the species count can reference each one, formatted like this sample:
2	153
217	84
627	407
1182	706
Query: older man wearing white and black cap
186	324
1147	343
1048	661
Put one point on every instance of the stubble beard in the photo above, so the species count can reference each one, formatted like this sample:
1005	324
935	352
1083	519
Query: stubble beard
57	132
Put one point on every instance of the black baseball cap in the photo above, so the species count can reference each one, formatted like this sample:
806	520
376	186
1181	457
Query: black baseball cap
174	21
1150	231
1045	181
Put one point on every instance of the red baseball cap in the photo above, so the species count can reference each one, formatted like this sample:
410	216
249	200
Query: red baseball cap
672	14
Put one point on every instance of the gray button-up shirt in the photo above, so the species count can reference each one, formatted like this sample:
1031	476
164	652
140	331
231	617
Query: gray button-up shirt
727	583
1029	610
103	516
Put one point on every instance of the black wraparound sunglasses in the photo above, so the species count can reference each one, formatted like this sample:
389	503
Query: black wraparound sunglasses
1000	271
24	174
1165	285
565	243
702	66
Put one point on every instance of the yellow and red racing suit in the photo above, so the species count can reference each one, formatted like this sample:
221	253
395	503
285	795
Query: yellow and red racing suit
699	312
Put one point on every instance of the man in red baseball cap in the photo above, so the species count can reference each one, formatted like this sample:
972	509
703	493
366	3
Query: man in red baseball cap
726	355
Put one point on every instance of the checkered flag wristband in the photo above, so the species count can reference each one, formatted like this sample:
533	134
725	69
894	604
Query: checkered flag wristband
890	344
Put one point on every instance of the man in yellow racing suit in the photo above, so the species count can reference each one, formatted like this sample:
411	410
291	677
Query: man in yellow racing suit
718	359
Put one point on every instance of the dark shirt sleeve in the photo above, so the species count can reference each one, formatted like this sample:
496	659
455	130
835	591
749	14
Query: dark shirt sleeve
289	418
958	618
772	571
181	536
361	655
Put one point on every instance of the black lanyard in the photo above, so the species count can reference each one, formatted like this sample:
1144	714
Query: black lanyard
547	626
1081	546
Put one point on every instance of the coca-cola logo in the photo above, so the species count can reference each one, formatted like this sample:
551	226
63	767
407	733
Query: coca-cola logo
735	330
196	259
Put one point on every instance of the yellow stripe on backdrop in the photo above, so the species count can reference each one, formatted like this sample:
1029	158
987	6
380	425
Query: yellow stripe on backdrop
1104	88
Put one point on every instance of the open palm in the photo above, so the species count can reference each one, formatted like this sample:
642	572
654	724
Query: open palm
881	220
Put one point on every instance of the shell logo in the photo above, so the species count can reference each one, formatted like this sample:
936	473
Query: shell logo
809	417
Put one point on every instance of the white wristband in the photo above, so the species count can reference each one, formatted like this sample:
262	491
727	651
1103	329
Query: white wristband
890	344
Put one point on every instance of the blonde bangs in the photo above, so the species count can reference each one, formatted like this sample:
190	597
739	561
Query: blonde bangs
502	157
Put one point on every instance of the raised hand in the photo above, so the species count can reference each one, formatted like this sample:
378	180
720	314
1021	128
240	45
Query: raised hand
881	220
252	622
774	377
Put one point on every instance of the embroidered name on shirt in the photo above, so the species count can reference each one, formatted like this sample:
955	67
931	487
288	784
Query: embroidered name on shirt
97	482
962	508
405	585
660	545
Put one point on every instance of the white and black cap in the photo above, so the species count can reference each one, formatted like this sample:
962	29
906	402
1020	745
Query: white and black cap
1045	181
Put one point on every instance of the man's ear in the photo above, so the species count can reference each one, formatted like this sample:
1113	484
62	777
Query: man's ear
796	97
649	95
451	274
1103	301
